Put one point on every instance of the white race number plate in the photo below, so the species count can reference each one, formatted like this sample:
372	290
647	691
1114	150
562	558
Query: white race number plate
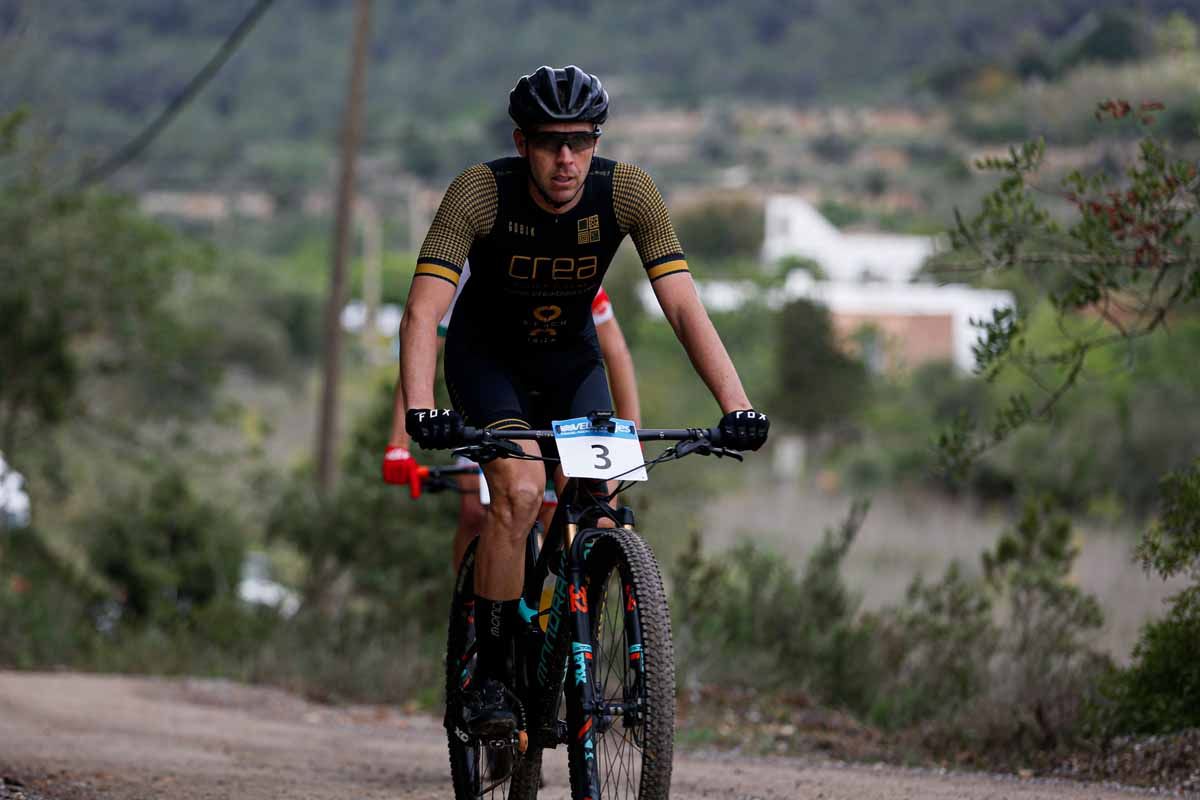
588	451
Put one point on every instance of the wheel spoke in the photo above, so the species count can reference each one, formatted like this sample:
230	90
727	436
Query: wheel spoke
629	608
621	754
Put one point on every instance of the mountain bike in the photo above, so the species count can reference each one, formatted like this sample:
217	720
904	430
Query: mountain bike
594	666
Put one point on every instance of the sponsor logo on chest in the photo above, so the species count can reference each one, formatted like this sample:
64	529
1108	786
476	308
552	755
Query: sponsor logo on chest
588	229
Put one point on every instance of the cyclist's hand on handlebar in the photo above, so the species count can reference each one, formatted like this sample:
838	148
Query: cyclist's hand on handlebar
434	428
398	465
744	430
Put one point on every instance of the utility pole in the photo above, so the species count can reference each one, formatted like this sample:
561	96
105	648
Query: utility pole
351	132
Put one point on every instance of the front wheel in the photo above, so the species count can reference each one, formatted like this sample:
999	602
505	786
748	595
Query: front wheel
633	673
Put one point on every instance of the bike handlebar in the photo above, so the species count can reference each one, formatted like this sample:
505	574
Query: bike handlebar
471	436
703	441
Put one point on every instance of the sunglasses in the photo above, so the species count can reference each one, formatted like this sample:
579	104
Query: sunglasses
552	141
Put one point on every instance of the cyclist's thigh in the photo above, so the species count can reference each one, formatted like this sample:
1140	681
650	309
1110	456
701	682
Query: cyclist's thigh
580	388
485	390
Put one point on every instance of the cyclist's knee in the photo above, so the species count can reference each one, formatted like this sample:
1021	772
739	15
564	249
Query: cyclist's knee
517	503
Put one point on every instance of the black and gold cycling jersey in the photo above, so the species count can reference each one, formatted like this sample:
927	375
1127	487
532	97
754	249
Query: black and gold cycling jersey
533	273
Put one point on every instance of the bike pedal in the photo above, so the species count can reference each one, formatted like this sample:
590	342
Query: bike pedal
522	741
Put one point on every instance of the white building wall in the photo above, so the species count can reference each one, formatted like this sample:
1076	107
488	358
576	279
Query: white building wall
795	228
961	303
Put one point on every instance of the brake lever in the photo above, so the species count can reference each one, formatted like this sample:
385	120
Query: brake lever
706	448
490	451
470	451
700	446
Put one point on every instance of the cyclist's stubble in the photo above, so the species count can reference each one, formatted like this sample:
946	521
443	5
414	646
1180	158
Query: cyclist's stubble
557	177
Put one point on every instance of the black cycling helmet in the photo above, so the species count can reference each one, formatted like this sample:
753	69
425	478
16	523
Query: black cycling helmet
558	95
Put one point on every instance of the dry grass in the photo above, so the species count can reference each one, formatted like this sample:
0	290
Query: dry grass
908	534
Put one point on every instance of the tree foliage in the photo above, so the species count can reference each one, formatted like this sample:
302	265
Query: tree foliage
1122	267
722	229
168	553
368	547
1123	263
818	384
84	289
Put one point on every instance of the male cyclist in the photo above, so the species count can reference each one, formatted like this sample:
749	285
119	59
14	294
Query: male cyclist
399	466
540	230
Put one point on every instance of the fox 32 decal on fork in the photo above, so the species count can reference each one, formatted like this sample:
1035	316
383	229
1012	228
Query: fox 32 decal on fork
593	661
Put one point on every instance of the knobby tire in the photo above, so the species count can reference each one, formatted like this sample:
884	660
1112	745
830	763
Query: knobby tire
634	760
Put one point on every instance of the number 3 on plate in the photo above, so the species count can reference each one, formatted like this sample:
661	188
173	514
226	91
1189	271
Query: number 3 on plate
602	459
586	451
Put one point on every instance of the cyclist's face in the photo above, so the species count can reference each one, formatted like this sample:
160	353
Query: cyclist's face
559	156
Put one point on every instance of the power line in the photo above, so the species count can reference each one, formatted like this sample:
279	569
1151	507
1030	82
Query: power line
139	143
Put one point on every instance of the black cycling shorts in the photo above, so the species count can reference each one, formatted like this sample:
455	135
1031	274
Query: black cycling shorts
527	391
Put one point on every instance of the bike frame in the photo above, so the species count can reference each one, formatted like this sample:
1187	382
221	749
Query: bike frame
572	533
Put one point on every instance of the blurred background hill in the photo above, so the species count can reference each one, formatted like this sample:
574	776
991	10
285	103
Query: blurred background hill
440	71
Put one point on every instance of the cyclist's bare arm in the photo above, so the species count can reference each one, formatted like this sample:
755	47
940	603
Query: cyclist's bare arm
621	376
681	304
428	300
399	437
459	220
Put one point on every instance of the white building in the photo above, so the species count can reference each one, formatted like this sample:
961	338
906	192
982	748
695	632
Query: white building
875	309
913	322
795	228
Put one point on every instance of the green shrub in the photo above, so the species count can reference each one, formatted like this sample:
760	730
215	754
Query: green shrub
938	645
725	228
367	545
834	148
1160	690
746	618
841	214
1046	665
167	552
1001	664
1116	36
45	605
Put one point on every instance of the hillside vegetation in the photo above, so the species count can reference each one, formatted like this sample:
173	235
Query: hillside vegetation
439	71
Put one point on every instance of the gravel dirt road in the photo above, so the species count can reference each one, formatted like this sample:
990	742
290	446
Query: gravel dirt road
66	736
